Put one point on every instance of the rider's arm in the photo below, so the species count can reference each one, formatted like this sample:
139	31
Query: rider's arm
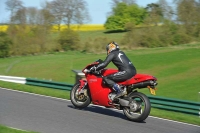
105	62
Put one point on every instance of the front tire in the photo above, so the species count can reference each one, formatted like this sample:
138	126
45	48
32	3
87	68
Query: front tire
139	107
80	100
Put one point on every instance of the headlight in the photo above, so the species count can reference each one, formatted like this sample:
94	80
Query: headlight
85	71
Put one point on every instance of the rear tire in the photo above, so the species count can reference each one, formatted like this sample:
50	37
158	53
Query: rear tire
139	107
80	100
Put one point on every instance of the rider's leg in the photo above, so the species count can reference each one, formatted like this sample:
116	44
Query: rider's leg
111	81
114	86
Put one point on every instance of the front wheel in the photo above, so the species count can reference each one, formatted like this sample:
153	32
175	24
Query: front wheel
80	99
139	107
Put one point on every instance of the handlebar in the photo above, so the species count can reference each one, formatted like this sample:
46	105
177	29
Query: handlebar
88	68
93	72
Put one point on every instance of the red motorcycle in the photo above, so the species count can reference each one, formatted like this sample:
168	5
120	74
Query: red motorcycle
135	105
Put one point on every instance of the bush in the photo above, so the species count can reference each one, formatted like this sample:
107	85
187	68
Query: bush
97	45
157	36
144	37
29	40
69	40
5	43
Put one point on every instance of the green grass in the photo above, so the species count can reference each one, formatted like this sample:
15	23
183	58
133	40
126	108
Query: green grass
85	36
37	90
177	70
186	118
4	129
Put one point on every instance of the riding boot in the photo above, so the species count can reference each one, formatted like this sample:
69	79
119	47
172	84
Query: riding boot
119	91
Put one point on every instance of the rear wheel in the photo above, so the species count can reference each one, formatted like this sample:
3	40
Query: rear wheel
80	99
139	107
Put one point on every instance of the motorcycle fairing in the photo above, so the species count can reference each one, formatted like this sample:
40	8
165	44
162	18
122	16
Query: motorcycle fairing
99	92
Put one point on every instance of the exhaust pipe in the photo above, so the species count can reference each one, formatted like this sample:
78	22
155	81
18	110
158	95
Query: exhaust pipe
144	84
123	102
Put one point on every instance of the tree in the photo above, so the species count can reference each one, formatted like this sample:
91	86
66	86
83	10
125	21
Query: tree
188	16
5	43
30	35
19	17
128	2
123	14
167	11
187	11
155	13
13	6
69	11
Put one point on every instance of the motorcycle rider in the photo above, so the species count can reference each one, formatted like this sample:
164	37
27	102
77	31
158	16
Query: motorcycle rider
126	69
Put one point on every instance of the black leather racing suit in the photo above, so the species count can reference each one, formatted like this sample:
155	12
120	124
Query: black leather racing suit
126	69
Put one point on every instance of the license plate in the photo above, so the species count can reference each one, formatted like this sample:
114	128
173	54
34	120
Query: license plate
152	90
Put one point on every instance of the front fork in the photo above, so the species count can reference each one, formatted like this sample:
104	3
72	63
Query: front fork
83	84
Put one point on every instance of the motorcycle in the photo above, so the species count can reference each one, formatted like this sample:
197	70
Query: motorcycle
135	105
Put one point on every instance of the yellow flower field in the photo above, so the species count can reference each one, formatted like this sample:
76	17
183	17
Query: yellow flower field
3	27
85	27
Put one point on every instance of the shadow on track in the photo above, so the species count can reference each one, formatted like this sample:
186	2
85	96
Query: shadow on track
104	111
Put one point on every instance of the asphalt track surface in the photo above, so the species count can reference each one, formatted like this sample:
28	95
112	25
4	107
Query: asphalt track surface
51	115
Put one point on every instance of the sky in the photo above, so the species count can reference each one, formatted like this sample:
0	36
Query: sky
98	9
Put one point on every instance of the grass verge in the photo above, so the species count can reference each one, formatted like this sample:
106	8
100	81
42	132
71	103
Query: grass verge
4	129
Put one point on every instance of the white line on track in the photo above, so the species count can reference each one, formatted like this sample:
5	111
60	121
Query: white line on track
95	105
19	129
